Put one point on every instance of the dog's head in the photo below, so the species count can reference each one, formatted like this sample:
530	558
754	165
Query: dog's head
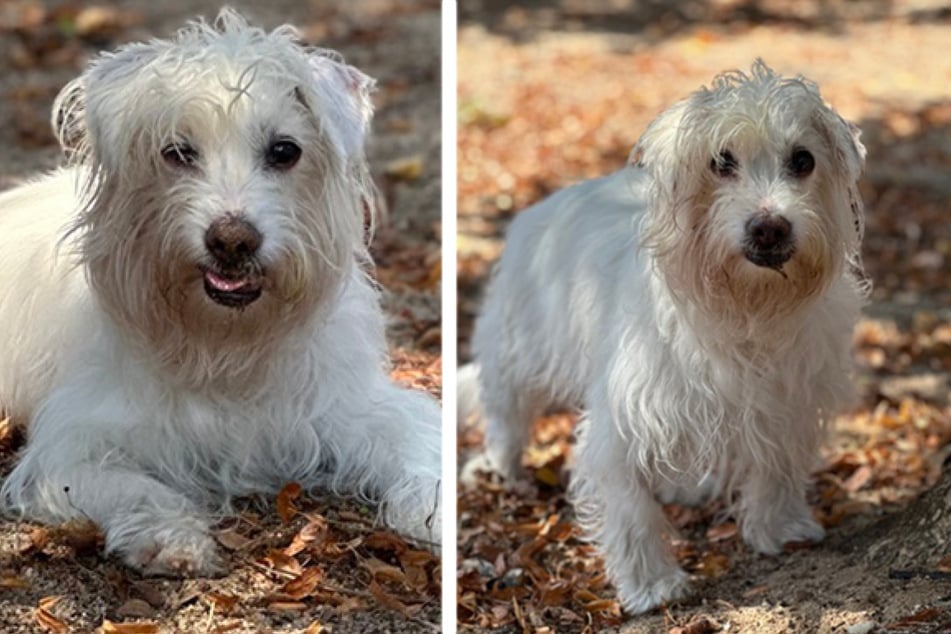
227	184
754	207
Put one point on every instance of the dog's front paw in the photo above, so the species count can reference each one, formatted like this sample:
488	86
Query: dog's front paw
768	537
639	596
171	552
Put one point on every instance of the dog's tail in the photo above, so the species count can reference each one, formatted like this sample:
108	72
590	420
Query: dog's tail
468	402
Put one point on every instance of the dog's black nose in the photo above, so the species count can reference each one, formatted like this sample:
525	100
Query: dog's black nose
232	239
768	232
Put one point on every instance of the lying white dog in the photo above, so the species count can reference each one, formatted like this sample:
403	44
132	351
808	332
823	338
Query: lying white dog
184	316
699	305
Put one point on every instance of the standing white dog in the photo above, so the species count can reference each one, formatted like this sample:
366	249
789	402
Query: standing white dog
184	316
699	305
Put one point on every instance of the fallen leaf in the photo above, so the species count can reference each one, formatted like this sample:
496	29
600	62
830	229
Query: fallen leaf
287	606
12	581
305	584
859	478
382	571
231	539
285	501
722	532
392	602
223	603
108	627
279	561
46	619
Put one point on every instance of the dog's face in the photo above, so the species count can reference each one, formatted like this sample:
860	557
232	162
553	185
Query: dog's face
754	206
227	180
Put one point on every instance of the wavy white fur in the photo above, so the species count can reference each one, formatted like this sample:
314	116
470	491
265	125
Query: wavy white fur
150	405
633	296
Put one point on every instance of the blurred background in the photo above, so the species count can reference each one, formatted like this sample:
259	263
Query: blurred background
551	93
319	563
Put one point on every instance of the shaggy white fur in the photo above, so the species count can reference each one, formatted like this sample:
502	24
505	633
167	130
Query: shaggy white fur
185	317
699	306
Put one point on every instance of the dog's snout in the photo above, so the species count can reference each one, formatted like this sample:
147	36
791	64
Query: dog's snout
232	239
768	232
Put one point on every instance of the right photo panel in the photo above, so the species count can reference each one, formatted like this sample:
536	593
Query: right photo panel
704	320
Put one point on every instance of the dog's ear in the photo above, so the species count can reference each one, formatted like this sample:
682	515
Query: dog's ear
340	101
69	120
89	111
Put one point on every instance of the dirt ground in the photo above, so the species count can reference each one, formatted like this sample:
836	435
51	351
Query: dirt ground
552	93
317	564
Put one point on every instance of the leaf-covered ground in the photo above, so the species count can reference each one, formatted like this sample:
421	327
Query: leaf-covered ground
298	563
552	93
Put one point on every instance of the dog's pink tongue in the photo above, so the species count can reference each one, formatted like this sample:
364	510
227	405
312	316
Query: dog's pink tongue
224	285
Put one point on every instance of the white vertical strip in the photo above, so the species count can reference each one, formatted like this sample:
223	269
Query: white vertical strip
449	119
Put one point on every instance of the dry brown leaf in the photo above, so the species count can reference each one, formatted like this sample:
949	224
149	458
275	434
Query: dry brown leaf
315	529
285	501
108	627
223	603
287	606
231	539
921	616
722	532
12	581
383	571
392	602
305	584
697	625
385	540
279	561
859	478
46	619
6	432
714	564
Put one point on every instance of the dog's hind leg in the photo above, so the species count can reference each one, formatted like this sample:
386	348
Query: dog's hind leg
510	410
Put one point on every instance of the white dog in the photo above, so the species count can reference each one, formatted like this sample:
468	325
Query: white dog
184	316
699	306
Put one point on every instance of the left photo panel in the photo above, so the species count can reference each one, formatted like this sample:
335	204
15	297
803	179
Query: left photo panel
220	316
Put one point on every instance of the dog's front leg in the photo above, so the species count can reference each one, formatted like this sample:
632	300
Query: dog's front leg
773	506
622	515
387	446
151	527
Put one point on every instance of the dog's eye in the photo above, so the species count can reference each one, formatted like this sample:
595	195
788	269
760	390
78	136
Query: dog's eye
724	165
180	155
801	163
283	154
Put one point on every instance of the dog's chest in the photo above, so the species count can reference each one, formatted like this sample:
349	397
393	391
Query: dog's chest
229	446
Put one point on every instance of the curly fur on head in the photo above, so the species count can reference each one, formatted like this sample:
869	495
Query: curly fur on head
695	225
227	91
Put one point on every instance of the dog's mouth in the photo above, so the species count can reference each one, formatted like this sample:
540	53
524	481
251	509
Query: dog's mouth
770	258
232	288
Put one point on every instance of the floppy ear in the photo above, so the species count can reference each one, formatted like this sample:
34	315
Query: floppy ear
90	114
69	120
341	102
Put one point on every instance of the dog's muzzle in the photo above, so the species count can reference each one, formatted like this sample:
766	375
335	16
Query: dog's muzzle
769	241
234	277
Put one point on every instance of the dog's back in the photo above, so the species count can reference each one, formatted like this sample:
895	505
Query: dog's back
43	304
535	341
